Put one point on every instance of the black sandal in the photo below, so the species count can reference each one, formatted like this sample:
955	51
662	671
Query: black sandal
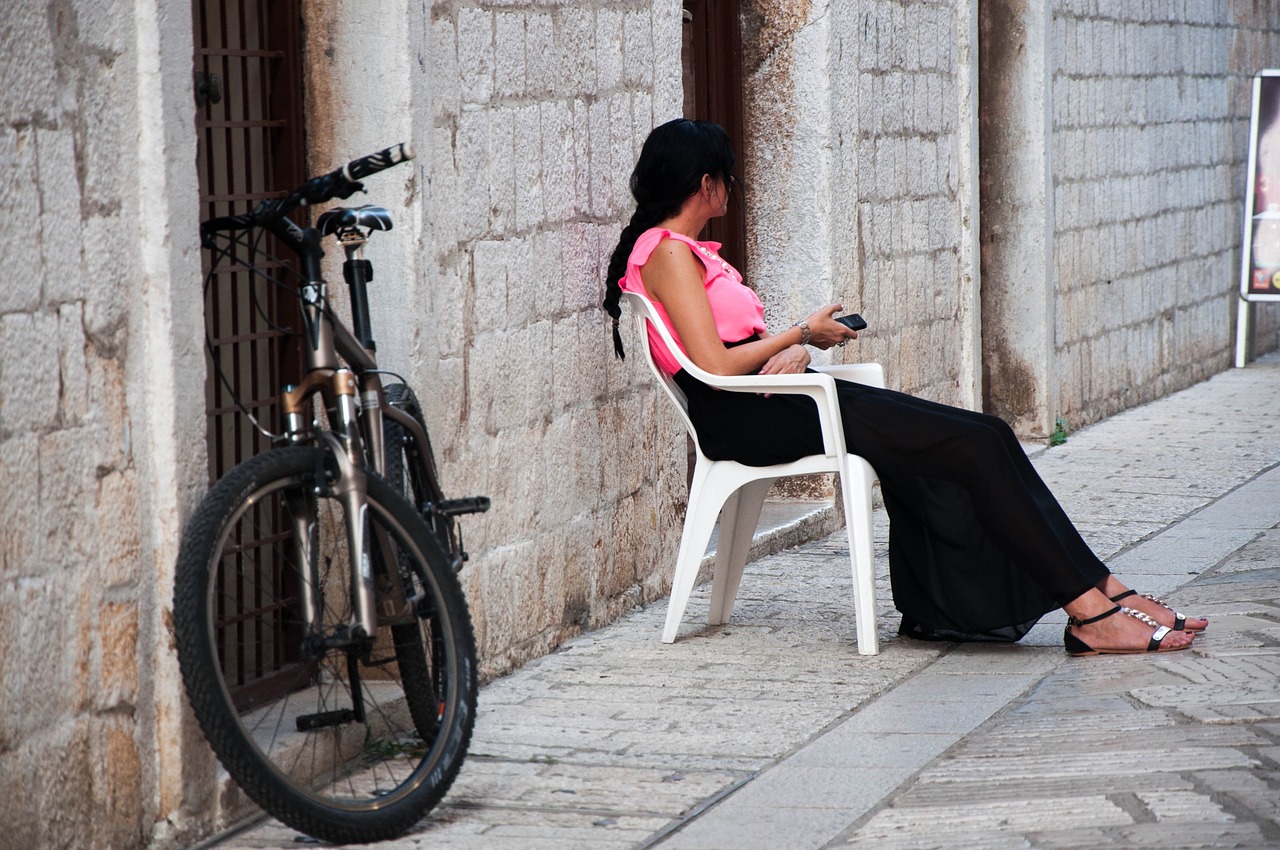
1179	621
1077	647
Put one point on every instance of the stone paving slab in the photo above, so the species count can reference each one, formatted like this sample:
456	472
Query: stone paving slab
1182	750
618	740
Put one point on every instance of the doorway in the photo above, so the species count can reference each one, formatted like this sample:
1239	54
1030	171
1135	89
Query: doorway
711	57
250	146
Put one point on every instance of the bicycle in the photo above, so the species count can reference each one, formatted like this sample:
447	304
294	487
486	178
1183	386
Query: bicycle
337	689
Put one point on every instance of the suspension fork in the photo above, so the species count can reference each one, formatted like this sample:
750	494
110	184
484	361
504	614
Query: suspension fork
351	490
344	444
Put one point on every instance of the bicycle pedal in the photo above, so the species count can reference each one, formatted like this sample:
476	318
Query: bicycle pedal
320	720
469	505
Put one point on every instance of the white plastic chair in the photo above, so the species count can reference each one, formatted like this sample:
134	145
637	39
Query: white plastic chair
735	492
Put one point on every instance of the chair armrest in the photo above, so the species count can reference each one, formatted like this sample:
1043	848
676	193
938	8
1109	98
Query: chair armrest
821	388
871	374
799	383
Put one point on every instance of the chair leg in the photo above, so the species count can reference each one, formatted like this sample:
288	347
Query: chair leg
856	487
738	523
699	522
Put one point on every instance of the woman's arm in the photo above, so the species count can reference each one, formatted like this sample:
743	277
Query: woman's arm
674	278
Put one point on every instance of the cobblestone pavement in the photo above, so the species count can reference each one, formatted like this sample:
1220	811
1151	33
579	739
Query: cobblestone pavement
772	733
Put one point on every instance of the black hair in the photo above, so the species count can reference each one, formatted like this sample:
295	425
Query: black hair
672	162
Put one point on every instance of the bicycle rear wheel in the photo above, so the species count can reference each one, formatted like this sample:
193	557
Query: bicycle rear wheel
412	469
345	738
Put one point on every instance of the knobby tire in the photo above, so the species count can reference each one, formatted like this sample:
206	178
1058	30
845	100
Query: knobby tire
296	744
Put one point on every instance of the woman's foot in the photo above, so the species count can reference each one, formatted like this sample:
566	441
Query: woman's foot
1154	608
1122	631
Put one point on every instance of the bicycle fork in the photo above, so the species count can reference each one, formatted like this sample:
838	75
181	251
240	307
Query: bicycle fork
349	487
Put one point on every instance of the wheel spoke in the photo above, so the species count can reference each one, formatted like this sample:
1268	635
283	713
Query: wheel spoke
336	775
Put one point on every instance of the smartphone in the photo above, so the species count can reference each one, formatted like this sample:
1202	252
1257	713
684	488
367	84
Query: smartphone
853	321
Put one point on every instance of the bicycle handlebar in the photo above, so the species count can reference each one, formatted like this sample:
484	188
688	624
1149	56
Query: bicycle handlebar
339	183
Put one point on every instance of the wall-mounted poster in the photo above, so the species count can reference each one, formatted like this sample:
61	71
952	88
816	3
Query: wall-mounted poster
1260	258
1262	235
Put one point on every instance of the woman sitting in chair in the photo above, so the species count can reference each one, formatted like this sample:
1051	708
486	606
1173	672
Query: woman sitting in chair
979	549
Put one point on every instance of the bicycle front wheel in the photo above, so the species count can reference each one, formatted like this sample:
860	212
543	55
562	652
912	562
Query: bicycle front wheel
341	736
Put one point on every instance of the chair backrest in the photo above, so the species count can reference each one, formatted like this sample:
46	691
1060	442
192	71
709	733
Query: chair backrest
642	310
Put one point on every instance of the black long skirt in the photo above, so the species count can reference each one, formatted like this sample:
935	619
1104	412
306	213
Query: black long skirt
979	548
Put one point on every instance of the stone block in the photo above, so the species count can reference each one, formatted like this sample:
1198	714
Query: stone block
543	80
559	164
105	148
574	55
61	778
26	85
117	783
67	463
576	346
580	116
19	465
106	302
446	79
20	205
30	399
588	463
59	233
73	389
637	436
543	285
609	48
526	277
637	36
442	191
642	121
601	147
582	286
506	583
46	671
475	55
530	211
20	817
491	266
622	153
117	525
502	158
514	462
471	216
510	74
117	662
557	461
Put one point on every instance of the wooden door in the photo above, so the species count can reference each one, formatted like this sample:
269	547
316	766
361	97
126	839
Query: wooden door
712	60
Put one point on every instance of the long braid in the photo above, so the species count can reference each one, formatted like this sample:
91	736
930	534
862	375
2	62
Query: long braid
645	217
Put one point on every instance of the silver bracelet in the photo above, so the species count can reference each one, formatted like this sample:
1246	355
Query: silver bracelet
804	331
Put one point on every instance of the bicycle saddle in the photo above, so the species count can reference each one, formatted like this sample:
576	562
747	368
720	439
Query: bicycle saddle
367	217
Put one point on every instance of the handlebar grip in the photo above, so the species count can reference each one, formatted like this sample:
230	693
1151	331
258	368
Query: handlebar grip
358	169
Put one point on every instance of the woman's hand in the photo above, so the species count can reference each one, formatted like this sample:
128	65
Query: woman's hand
788	361
825	331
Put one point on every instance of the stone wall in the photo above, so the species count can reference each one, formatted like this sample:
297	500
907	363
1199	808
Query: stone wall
535	126
1109	146
1150	119
527	118
95	328
860	178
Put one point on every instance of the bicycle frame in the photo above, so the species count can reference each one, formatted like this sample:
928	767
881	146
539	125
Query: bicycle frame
356	403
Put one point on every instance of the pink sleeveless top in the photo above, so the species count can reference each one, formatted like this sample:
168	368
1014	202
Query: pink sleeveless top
736	309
